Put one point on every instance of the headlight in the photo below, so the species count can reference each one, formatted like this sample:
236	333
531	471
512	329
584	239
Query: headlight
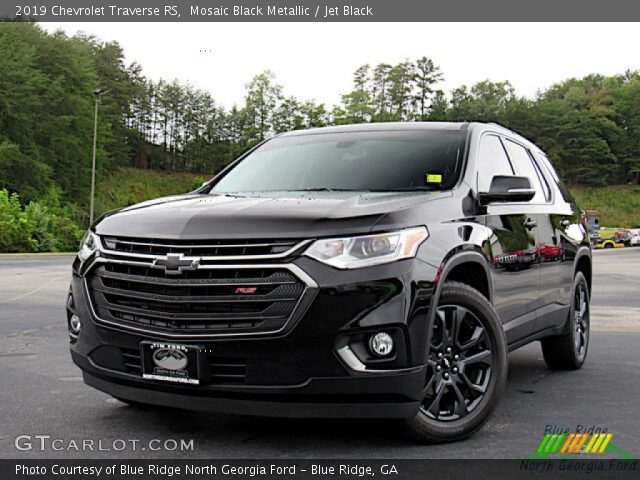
367	250
89	244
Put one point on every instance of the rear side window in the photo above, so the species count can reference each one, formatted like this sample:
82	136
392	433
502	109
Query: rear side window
492	161
524	167
547	164
561	185
543	179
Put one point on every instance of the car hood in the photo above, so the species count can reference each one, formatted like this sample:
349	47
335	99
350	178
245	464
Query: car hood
286	215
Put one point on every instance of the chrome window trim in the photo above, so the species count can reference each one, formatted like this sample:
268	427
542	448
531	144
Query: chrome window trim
308	293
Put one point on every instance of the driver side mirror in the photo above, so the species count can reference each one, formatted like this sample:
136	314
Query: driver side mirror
507	188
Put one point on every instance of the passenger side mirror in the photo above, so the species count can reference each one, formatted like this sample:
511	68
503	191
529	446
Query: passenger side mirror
507	188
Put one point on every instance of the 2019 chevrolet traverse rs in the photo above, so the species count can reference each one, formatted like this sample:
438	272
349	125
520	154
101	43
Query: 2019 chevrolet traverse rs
379	270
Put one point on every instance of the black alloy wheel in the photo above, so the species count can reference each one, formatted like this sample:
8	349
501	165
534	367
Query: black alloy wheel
581	318
466	367
569	350
460	359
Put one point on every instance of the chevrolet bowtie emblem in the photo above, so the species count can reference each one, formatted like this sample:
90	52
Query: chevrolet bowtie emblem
176	263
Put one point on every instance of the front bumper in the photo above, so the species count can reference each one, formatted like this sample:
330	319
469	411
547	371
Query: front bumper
299	373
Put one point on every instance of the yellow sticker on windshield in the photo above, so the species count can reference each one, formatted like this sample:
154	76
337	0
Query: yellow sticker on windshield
434	178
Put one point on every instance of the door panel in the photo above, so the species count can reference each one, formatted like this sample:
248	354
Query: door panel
556	248
514	262
515	269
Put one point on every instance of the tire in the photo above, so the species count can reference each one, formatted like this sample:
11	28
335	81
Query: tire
481	359
569	351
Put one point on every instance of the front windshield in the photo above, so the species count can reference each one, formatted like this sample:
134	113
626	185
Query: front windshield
359	161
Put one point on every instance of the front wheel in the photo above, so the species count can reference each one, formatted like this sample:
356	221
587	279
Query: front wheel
467	367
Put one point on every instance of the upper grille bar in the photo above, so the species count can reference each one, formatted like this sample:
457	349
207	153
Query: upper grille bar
109	240
205	250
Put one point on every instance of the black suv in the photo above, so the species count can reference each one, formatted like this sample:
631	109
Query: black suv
377	271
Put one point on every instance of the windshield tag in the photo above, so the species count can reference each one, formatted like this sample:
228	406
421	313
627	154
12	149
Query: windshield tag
434	178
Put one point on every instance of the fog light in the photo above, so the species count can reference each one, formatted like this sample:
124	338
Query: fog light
381	344
74	324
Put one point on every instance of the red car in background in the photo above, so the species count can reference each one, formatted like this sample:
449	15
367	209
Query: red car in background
549	253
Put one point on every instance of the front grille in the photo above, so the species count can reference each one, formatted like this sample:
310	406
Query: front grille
200	248
223	300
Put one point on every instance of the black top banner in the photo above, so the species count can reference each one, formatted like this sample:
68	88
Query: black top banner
320	11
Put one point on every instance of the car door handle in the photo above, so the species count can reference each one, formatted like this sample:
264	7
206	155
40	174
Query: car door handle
529	224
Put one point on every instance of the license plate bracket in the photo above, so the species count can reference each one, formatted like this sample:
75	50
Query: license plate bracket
171	362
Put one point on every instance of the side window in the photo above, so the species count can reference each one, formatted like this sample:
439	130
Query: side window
561	185
547	163
523	165
543	179
492	161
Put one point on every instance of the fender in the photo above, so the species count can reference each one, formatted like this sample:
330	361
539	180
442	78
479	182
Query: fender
459	255
583	251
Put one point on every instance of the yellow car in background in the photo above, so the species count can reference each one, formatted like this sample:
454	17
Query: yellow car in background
611	238
610	243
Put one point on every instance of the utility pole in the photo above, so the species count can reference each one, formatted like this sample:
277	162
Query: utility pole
96	96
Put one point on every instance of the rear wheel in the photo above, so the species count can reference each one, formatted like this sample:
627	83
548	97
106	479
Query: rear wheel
569	351
467	367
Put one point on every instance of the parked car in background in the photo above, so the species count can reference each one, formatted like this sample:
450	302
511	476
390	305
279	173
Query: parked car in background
609	243
608	237
624	236
635	237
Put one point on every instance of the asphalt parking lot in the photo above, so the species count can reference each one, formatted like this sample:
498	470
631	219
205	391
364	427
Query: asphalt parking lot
42	393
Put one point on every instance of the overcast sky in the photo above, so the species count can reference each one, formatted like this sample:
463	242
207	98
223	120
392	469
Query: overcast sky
317	60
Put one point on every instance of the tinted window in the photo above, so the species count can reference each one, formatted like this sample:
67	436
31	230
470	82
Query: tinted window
561	185
492	161
552	171
543	180
523	166
381	160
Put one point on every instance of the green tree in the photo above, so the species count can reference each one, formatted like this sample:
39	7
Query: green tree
427	75
22	173
313	114
287	116
401	83
263	96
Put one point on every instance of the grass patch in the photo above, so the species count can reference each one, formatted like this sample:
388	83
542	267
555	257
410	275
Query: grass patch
127	186
619	205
